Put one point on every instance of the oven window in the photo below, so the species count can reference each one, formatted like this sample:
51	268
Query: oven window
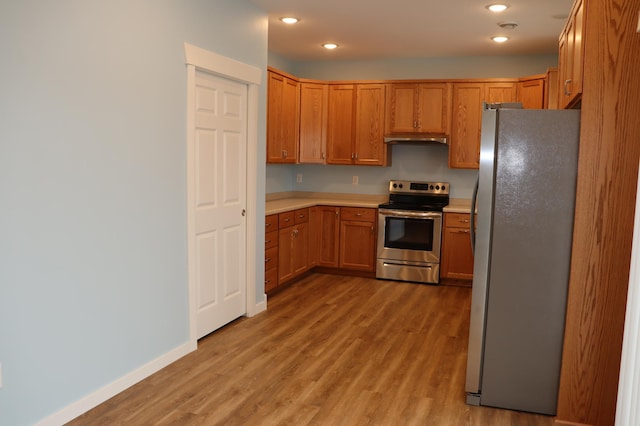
409	234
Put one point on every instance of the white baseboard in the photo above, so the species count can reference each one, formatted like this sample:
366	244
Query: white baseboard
98	397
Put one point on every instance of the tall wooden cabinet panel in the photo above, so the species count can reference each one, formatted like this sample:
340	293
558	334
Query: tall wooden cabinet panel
369	147
282	119
314	99
570	57
464	146
358	239
418	108
340	125
467	100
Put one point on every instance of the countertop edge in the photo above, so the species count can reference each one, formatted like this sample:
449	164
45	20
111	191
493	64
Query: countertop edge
305	200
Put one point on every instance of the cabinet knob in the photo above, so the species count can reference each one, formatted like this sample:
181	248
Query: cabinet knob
284	153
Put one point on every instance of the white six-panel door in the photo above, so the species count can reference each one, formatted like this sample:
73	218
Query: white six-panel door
219	231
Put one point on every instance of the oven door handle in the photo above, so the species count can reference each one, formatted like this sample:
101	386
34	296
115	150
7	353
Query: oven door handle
405	214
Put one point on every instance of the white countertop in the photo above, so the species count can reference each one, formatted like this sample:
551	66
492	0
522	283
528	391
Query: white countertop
282	202
458	205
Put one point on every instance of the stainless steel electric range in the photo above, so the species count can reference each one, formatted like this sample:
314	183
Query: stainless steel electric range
410	231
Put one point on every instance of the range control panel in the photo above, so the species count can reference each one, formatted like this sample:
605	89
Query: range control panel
410	187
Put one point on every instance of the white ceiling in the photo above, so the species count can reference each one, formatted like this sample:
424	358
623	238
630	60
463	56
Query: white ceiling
377	29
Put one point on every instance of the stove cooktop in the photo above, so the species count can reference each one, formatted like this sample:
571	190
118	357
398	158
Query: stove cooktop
417	196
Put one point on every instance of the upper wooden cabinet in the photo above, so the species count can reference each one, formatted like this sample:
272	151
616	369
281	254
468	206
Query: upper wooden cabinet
355	132
570	57
418	108
314	99
467	100
282	118
531	92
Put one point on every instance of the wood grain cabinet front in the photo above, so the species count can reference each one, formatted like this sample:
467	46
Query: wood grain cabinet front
418	108
271	252
314	98
467	100
355	132
457	256
283	116
293	240
357	239
570	58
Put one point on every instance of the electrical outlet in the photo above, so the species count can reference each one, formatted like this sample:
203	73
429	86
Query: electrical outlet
299	178
355	180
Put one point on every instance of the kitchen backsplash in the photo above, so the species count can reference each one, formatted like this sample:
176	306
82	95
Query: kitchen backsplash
411	162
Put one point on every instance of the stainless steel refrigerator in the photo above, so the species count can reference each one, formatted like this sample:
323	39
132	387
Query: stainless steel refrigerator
525	206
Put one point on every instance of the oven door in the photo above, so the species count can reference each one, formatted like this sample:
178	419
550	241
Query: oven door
413	236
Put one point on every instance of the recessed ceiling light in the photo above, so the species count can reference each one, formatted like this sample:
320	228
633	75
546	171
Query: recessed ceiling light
497	7
290	20
499	39
329	46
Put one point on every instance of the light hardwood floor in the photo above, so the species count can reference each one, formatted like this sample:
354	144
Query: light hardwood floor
330	350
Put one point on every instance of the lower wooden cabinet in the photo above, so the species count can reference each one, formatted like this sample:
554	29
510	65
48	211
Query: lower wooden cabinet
293	240
323	236
271	252
324	246
457	256
357	239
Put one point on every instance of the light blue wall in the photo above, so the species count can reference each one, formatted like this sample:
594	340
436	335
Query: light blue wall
93	254
410	162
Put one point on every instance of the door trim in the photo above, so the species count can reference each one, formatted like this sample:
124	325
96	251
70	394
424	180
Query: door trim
201	59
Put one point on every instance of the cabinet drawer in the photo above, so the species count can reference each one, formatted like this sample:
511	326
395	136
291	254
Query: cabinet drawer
301	216
457	220
270	279
286	219
270	258
271	223
271	239
358	213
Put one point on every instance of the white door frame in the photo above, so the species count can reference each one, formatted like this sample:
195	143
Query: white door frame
198	58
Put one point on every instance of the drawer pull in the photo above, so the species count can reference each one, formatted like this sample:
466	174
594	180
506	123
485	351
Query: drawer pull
267	241
268	259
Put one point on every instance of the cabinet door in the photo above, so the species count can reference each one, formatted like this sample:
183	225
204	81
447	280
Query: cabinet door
457	257
300	250
531	93
434	107
402	108
370	148
340	124
314	99
357	245
466	119
328	236
285	254
282	119
500	92
571	50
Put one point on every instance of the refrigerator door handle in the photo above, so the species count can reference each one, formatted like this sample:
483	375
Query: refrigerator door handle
472	221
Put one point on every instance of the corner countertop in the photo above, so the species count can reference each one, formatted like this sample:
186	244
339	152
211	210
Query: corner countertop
458	205
287	201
